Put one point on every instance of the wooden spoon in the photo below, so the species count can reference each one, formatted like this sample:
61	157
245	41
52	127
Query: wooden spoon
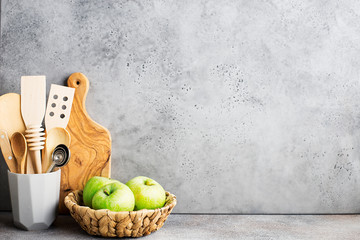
19	148
54	137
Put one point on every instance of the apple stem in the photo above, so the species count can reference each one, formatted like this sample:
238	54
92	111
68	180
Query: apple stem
106	192
149	182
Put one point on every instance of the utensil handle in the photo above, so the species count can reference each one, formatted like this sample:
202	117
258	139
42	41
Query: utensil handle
6	151
51	168
36	160
35	141
29	164
46	157
23	164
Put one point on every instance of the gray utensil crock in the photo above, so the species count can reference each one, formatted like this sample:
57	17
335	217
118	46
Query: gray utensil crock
34	199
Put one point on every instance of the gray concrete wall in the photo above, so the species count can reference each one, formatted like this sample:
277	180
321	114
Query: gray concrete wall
234	106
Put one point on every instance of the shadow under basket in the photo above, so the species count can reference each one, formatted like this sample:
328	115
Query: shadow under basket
107	223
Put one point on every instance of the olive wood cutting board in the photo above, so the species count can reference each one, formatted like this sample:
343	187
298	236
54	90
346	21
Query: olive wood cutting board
90	145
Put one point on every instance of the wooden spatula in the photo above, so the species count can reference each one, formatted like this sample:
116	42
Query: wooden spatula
57	116
33	100
58	107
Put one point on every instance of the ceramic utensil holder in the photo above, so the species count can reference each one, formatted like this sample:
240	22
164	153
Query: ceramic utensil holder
34	199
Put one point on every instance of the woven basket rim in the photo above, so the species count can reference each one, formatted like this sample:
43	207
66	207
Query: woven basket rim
167	205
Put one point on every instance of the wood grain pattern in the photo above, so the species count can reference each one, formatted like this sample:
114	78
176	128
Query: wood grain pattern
90	144
54	137
33	102
6	151
19	149
10	114
33	99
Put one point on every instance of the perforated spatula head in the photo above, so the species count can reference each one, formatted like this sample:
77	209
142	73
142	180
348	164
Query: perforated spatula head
58	107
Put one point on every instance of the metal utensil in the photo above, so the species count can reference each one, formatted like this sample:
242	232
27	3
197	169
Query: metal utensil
60	157
54	137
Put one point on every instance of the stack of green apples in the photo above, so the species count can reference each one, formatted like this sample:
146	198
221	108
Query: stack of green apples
138	193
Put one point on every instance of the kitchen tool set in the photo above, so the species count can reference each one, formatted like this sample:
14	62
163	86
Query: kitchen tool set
37	152
33	180
21	121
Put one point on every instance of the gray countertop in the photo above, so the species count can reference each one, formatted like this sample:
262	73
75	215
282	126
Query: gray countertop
179	226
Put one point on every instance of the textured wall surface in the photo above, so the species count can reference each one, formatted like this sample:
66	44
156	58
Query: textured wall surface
234	106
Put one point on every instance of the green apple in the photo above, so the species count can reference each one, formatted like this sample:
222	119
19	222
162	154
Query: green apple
92	186
148	193
115	197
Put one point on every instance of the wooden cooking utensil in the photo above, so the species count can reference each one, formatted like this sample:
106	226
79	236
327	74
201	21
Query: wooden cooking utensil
33	100
90	144
29	166
57	115
10	114
6	151
19	148
54	137
59	106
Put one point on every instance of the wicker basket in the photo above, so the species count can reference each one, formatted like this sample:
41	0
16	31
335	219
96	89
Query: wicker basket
107	223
